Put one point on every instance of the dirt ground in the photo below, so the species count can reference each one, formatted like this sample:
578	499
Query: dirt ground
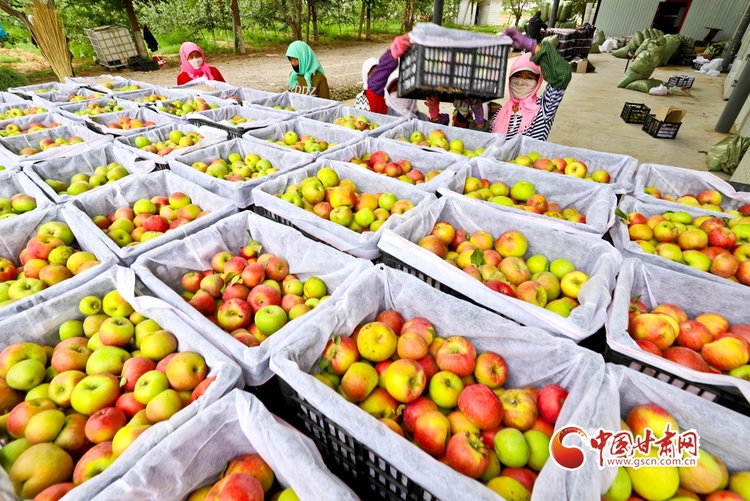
270	70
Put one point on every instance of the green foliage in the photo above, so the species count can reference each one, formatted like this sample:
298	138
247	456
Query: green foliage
11	78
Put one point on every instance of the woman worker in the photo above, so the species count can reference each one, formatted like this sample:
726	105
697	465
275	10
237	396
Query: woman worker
525	112
368	67
193	65
307	75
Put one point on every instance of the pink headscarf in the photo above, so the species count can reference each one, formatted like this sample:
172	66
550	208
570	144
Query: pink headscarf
204	71
527	107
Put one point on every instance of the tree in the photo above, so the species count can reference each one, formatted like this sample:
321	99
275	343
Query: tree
239	36
292	12
140	47
517	7
407	21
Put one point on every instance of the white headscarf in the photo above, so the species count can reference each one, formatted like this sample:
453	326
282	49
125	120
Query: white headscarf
366	67
403	107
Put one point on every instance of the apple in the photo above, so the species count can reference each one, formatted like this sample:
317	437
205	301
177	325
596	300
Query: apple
511	448
404	379
467	454
550	402
481	406
186	370
163	406
490	369
520	409
104	424
456	355
445	388
237	486
432	433
376	342
253	465
97	459
125	436
39	467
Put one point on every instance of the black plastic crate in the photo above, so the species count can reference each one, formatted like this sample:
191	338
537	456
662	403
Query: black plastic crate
368	474
635	113
727	397
565	44
684	81
660	130
683	60
566	54
450	72
138	63
697	65
582	52
740	186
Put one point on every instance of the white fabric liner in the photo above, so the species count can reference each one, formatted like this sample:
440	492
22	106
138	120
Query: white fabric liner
472	139
210	136
303	126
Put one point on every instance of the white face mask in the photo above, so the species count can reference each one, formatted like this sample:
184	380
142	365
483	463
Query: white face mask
195	63
521	88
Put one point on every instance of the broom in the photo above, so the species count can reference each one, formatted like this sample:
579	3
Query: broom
47	29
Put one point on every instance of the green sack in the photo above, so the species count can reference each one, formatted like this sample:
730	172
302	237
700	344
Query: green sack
642	47
687	44
727	154
622	52
643	65
644	85
672	44
599	37
545	11
636	41
594	49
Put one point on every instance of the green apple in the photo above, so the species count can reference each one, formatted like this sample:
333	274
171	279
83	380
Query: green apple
561	267
41	391
539	449
95	392
90	305
149	385
158	345
314	288
24	287
10	452
25	375
144	329
537	264
511	448
59	230
108	359
328	177
444	389
522	191
115	306
270	319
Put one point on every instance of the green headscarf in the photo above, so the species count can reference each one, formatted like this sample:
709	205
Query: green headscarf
308	63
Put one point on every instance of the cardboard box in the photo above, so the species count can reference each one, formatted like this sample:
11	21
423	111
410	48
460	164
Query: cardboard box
671	114
582	65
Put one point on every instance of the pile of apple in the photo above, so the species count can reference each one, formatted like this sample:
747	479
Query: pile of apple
340	202
16	205
381	163
122	88
74	408
237	120
706	243
12	130
251	295
501	266
708	200
178	108
94	108
237	169
127	123
522	196
245	478
709	479
437	139
285	108
47	259
74	98
707	343
47	144
305	143
153	98
355	123
18	112
437	393
148	219
82	182
176	140
568	166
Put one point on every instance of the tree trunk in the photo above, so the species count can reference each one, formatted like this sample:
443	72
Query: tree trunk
239	36
361	20
407	22
307	24
315	24
368	35
140	47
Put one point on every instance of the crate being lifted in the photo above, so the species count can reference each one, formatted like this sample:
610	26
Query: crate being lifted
453	64
113	45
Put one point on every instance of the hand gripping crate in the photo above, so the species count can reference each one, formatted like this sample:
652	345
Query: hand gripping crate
453	64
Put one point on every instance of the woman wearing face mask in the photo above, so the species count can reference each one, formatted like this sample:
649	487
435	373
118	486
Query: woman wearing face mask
193	65
307	75
368	67
525	112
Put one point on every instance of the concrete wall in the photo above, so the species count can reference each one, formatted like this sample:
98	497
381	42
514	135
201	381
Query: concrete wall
489	13
625	17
